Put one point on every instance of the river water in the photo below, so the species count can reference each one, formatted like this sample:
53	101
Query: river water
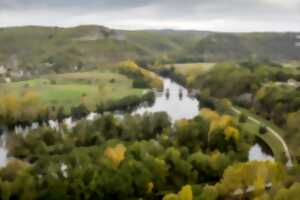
174	100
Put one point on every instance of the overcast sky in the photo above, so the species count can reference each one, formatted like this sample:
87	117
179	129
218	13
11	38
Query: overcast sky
215	15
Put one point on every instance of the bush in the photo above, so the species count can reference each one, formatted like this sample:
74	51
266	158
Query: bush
112	80
140	83
79	111
263	130
206	102
243	118
53	82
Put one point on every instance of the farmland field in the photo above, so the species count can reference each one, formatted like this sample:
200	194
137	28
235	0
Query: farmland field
71	89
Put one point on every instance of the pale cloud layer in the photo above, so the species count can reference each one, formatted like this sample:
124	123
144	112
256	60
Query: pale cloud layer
216	15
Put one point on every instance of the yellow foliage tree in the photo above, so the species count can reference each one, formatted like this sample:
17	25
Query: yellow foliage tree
30	104
171	197
236	177
209	114
220	123
263	197
259	184
226	103
213	159
150	187
30	97
261	93
131	66
12	107
182	123
232	132
116	154
185	193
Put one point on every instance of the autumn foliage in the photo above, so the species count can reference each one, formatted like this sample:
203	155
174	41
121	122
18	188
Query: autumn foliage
116	154
132	69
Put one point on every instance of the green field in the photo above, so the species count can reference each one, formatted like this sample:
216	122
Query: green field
71	89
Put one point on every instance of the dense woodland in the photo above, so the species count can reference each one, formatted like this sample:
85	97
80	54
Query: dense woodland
142	157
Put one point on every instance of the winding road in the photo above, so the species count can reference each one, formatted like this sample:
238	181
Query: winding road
274	133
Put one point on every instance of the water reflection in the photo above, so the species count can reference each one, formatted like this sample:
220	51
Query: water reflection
175	101
257	153
180	94
3	150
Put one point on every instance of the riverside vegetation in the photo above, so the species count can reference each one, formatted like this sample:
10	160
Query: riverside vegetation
76	94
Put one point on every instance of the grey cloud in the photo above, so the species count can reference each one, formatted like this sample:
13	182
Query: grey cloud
282	13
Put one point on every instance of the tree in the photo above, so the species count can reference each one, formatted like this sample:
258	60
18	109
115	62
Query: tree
243	118
263	130
293	121
289	194
209	193
61	114
13	169
236	177
232	132
116	154
79	111
12	107
185	193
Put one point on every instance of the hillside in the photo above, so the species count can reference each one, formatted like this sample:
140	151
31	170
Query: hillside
52	49
222	46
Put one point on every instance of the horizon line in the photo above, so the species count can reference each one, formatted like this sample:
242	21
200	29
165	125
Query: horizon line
146	29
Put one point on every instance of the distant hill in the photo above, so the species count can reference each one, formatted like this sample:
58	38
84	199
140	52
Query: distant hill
44	49
273	46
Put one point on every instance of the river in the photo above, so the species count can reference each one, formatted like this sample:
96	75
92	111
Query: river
174	100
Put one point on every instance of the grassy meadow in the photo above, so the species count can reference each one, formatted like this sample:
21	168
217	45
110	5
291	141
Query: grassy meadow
71	89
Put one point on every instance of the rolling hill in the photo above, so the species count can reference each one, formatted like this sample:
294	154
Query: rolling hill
41	50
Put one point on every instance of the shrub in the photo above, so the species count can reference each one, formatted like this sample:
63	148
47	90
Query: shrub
79	111
140	83
243	118
263	130
53	82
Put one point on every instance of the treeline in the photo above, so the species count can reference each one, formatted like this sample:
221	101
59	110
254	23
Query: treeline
165	60
127	104
172	74
27	109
